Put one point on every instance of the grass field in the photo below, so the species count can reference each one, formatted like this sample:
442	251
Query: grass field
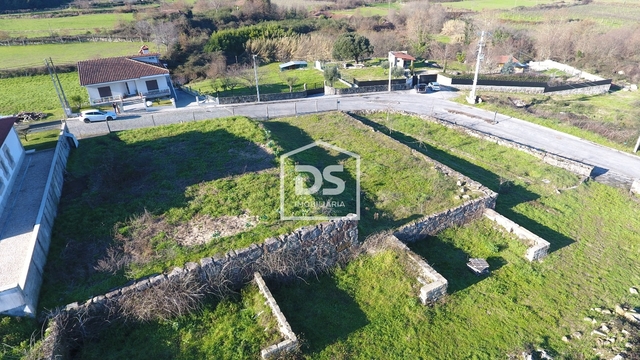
30	27
40	140
36	93
375	9
15	57
521	305
114	180
231	329
478	5
366	74
270	80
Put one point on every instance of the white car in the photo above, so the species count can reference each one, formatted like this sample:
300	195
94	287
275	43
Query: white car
434	86
97	115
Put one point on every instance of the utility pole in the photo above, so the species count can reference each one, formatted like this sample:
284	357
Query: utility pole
389	71
58	87
255	72
472	96
635	149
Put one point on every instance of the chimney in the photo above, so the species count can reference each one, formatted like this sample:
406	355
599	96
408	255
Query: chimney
144	50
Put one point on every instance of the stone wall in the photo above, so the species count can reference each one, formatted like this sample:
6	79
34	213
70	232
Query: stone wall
573	166
263	97
508	89
588	90
538	248
328	90
635	186
290	342
550	64
434	285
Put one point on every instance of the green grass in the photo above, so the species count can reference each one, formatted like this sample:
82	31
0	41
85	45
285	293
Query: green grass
609	119
592	230
271	80
36	93
374	9
186	172
231	329
40	140
368	73
15	57
15	333
61	26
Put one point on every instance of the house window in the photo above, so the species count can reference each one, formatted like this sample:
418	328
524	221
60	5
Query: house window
7	154
152	85
5	169
104	91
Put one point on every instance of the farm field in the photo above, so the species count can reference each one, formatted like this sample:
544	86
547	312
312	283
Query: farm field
270	80
478	5
16	57
29	27
142	185
376	9
602	14
36	93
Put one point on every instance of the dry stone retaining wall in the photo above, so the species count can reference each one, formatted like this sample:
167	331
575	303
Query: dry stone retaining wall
328	90
290	342
538	247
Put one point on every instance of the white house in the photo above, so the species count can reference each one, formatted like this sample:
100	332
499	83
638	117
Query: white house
113	79
11	155
400	59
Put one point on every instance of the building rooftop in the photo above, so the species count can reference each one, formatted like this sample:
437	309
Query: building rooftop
112	69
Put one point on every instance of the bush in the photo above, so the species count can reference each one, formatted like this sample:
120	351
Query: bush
331	74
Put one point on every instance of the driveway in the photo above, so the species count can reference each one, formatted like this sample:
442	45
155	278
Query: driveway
435	104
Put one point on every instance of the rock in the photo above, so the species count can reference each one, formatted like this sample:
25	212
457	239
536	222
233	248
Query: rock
633	317
625	332
466	197
599	333
457	197
605	328
588	319
633	87
607	312
460	183
633	290
611	340
546	181
565	339
526	356
618	357
577	335
628	345
619	310
606	343
461	190
597	310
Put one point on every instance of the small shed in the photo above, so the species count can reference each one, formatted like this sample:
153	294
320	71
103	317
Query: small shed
400	59
293	65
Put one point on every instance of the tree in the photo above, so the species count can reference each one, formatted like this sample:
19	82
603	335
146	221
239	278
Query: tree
351	46
165	33
76	100
331	74
291	81
397	71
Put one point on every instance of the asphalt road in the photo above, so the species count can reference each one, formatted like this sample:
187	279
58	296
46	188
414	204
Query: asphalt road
436	104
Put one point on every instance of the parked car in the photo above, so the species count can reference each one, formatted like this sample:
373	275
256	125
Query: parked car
422	87
433	86
92	115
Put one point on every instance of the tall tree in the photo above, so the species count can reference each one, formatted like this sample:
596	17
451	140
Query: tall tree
351	46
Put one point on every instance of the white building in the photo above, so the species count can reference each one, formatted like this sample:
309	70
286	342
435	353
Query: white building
11	156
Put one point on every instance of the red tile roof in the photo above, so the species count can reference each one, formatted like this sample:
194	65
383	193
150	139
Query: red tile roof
116	69
5	127
505	59
403	56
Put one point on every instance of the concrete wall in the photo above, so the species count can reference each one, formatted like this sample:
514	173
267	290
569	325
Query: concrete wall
11	155
120	89
328	90
550	64
537	247
39	242
590	90
290	341
263	97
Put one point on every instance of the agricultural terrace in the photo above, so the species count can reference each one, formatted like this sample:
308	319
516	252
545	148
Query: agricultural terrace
30	27
479	5
132	198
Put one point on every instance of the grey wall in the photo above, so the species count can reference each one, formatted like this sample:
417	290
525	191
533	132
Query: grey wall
328	90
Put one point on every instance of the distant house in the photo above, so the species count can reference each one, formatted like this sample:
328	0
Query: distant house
517	65
400	59
293	65
113	79
11	155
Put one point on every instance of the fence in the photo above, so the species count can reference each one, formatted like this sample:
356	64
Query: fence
38	248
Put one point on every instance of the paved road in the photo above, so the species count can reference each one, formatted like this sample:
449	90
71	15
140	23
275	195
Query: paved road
436	104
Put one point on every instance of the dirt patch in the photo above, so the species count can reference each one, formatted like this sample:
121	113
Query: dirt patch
203	229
